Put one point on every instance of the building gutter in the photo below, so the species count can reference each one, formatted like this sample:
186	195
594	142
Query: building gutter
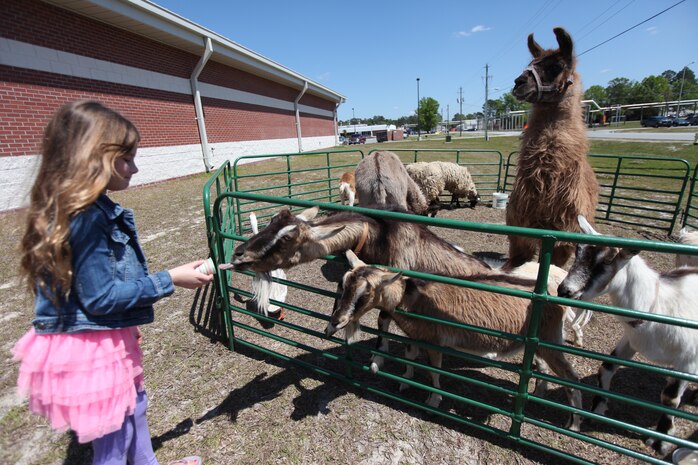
298	116
198	107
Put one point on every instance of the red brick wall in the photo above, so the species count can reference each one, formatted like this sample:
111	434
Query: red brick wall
28	98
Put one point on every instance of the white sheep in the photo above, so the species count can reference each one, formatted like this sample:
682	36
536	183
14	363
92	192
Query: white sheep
689	238
435	177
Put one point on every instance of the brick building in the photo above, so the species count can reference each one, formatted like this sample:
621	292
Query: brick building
197	98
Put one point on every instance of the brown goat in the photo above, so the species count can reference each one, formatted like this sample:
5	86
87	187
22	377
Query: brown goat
367	287
554	181
347	189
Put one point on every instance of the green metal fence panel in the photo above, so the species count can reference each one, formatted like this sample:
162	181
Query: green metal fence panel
299	339
690	217
634	190
485	166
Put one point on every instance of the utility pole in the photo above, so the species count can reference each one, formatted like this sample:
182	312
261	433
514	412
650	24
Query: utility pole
419	129
448	120
487	107
460	101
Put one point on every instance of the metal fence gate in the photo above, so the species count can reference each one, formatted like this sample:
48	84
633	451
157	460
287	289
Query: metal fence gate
308	180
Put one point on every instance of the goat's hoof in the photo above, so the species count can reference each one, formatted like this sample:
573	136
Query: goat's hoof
403	387
574	423
376	364
599	406
434	400
662	447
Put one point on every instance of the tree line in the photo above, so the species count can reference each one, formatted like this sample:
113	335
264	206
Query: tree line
666	87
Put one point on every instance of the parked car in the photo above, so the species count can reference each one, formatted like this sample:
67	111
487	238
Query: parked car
656	121
342	140
679	122
357	139
692	120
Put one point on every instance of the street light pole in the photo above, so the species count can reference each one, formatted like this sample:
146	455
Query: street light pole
419	130
353	119
683	77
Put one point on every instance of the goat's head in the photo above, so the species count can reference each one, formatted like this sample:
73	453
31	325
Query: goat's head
550	72
282	243
594	267
474	198
363	289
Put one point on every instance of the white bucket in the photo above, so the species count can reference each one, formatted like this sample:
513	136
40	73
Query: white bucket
500	200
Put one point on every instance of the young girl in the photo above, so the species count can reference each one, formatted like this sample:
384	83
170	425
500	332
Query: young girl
81	362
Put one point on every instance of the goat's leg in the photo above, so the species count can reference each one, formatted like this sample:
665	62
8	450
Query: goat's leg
671	397
435	359
563	368
411	353
541	385
606	372
382	344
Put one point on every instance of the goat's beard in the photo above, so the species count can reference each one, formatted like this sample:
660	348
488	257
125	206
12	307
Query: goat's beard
261	287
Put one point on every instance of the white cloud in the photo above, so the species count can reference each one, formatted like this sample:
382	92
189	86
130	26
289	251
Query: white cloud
323	77
652	30
605	70
474	30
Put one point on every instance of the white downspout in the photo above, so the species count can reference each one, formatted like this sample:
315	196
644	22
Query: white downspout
298	116
336	127
198	107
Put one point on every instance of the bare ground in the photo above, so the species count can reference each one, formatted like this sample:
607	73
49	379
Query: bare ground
249	407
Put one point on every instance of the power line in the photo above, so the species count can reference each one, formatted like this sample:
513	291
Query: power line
630	28
579	31
605	21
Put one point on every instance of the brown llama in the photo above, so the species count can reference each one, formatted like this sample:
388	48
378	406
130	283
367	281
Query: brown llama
554	182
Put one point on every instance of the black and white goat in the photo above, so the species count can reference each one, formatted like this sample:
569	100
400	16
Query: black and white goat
632	284
366	287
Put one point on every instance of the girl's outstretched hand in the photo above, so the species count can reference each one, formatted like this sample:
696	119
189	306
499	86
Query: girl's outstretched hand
187	276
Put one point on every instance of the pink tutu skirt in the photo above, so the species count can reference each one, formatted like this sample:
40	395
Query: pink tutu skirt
86	381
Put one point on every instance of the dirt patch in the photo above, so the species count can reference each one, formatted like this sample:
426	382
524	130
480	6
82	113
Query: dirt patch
245	406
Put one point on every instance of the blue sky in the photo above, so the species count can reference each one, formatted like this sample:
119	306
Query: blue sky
372	52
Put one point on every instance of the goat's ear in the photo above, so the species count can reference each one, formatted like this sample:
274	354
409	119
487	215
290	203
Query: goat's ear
309	214
253	223
565	42
628	253
586	227
390	278
533	47
354	261
322	232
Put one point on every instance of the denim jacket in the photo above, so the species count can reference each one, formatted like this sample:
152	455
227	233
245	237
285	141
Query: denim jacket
111	286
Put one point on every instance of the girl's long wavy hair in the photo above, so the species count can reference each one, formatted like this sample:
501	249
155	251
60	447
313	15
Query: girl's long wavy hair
80	145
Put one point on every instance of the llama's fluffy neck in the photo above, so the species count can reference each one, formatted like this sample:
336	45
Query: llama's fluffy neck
567	111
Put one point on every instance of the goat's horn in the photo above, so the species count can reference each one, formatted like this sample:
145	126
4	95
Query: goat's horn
354	261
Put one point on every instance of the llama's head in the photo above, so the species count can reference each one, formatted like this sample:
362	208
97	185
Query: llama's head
363	288
549	74
284	243
594	267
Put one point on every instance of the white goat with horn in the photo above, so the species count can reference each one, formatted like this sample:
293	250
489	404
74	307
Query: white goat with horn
632	284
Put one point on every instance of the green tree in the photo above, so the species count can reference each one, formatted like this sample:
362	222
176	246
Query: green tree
619	91
511	103
652	89
458	117
597	94
428	114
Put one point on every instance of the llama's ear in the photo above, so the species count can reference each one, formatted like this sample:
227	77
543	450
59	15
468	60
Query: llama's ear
354	261
390	278
320	233
586	227
533	47
309	214
565	42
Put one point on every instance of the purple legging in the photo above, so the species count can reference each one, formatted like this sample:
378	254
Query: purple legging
132	442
